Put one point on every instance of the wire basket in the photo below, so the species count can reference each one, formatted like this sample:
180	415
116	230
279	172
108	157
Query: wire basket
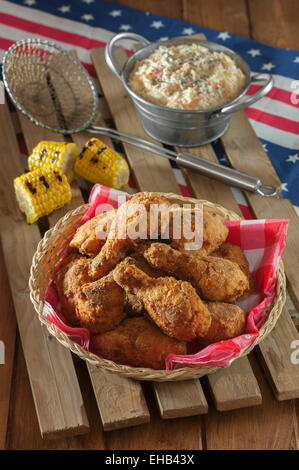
47	255
49	86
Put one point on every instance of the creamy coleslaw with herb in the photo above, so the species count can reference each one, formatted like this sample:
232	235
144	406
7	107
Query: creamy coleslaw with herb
187	76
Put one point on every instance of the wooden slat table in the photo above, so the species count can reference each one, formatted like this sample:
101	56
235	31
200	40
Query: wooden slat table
272	424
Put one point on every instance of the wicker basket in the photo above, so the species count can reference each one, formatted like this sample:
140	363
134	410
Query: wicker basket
47	256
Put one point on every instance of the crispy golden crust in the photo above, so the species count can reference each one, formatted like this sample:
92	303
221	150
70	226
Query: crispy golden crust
134	305
213	278
214	233
91	236
173	304
128	222
228	321
139	342
72	274
137	259
100	305
235	254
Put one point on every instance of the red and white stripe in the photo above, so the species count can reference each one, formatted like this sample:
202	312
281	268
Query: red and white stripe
275	117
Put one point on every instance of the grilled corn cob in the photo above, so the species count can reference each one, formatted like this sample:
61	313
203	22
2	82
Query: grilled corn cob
98	163
62	155
41	191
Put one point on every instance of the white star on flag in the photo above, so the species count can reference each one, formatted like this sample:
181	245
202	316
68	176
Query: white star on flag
164	38
115	13
296	60
254	52
268	66
188	31
157	24
64	8
284	187
265	147
88	1
29	2
224	35
87	17
125	27
293	158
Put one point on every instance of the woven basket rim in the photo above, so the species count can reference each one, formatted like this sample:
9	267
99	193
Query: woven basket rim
141	373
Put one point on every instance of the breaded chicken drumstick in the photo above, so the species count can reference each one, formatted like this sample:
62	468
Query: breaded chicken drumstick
139	342
214	232
173	305
228	321
119	241
235	254
213	278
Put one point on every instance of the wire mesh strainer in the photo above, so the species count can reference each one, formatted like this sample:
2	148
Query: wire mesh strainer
50	86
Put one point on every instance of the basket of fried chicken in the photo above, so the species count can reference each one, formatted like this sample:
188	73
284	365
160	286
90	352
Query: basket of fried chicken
158	286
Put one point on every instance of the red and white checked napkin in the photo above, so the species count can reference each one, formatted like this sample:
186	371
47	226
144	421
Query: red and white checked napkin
263	242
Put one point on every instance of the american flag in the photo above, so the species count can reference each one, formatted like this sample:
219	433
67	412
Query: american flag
86	24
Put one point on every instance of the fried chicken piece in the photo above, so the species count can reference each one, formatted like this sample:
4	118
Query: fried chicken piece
213	278
100	305
132	222
137	258
91	236
228	321
235	254
214	233
73	273
137	342
173	305
134	305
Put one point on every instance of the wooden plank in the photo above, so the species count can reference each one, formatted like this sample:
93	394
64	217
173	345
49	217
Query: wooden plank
292	309
23	411
221	15
245	153
7	339
271	425
180	400
120	400
152	173
235	387
60	410
275	22
275	352
171	434
171	8
203	187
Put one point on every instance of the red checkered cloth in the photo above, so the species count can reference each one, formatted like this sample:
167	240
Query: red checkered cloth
262	241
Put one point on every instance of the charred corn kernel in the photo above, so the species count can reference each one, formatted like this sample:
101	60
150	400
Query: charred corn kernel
41	191
98	163
62	155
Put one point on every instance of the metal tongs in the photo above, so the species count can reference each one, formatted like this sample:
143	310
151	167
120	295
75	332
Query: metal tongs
187	160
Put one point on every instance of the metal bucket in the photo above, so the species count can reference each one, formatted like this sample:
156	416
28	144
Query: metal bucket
179	126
